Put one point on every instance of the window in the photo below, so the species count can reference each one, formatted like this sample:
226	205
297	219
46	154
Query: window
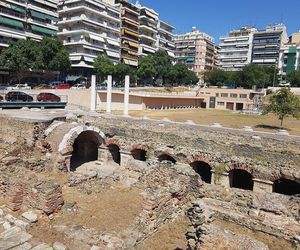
244	96
224	95
217	94
221	103
233	95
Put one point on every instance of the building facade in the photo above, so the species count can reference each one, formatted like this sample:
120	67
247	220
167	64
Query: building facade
129	32
197	50
236	49
89	28
289	60
148	31
267	44
26	19
166	38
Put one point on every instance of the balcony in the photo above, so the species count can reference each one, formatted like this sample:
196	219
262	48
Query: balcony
86	7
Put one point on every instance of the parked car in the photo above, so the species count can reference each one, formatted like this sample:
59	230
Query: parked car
19	87
53	85
4	86
63	86
47	97
1	98
78	86
18	96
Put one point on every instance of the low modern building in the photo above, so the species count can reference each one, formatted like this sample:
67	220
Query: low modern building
89	28
197	50
232	99
267	44
236	49
129	32
24	19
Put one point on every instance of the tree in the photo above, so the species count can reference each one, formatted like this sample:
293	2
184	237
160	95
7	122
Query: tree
54	55
215	77
180	74
146	70
283	103
294	78
103	67
162	64
121	70
21	56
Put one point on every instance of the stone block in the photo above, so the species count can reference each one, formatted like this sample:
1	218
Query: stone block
262	186
30	216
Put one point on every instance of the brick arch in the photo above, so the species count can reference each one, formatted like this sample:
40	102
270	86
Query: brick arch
241	166
289	176
139	147
66	145
112	141
196	158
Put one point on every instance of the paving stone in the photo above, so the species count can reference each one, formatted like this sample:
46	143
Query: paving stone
59	246
42	246
30	216
13	237
25	246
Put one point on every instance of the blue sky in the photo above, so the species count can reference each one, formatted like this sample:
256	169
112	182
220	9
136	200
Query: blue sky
217	17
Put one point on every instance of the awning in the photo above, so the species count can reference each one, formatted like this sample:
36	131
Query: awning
11	22
171	54
113	54
130	62
97	38
14	7
43	30
151	14
190	59
113	42
131	33
42	15
135	45
149	50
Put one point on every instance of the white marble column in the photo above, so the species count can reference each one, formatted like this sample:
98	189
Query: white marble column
126	95
109	93
93	94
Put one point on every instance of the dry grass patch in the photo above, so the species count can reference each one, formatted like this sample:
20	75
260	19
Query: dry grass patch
169	236
272	242
229	119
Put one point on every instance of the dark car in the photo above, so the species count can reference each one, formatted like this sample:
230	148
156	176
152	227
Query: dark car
48	97
1	98
18	96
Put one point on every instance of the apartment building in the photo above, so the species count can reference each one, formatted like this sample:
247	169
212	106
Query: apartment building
236	49
267	44
166	38
27	19
197	50
89	28
129	32
289	56
148	31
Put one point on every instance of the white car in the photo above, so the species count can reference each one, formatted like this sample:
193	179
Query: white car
19	87
78	86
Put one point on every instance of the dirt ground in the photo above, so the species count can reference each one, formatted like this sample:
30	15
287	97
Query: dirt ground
109	210
269	123
273	242
169	237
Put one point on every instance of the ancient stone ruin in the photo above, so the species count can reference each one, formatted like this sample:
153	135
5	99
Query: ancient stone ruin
118	183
